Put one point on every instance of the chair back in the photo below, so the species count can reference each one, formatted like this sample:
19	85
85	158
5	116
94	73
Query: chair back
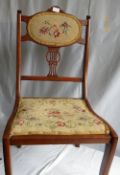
54	29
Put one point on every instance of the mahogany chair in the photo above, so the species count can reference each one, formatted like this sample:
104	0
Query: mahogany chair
55	120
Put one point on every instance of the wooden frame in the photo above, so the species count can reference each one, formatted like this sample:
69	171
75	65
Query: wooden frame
110	140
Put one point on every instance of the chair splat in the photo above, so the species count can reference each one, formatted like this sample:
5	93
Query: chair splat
53	58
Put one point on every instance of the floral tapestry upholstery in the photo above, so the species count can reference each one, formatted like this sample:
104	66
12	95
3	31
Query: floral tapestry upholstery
56	116
54	29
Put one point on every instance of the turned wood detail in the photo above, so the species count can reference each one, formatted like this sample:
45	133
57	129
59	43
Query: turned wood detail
53	58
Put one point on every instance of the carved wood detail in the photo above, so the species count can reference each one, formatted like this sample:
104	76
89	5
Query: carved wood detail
53	58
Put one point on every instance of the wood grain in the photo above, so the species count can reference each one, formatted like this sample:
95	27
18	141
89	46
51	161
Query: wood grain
52	78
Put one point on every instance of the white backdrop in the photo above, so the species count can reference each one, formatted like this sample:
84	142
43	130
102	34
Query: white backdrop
104	67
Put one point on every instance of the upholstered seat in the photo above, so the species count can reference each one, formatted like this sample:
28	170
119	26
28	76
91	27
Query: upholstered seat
56	116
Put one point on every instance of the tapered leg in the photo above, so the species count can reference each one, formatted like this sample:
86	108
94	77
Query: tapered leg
6	153
108	156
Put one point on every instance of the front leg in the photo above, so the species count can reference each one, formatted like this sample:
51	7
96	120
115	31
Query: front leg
108	156
6	154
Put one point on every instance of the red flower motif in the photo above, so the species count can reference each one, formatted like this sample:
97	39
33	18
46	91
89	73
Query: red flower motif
60	123
97	121
44	30
20	122
54	112
56	33
54	30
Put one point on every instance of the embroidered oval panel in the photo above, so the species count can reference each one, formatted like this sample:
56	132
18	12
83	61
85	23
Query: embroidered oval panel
54	29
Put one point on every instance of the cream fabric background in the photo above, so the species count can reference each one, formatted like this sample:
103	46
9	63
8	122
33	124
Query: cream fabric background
104	71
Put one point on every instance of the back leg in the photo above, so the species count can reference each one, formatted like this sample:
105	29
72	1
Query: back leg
18	146
77	145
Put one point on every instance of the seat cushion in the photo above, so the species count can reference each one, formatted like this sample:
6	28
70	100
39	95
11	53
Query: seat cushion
53	116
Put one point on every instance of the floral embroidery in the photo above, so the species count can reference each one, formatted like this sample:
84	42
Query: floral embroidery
53	29
20	122
56	116
97	121
54	113
44	30
60	123
78	108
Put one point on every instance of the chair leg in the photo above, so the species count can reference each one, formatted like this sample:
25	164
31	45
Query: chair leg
77	145
6	153
18	146
108	157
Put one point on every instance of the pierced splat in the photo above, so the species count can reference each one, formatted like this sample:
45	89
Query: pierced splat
53	58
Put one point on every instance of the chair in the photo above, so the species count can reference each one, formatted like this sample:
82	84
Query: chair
56	120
